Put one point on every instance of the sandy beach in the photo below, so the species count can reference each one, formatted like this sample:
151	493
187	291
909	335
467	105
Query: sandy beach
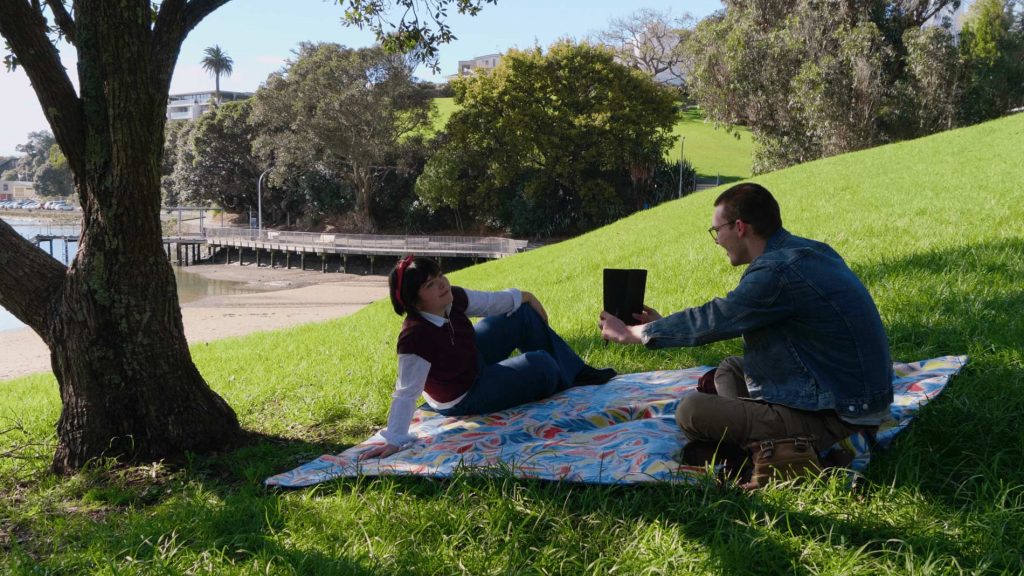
285	298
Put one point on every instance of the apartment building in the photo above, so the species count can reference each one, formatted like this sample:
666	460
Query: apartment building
194	104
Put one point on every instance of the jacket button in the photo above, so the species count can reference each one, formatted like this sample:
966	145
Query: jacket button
852	409
864	407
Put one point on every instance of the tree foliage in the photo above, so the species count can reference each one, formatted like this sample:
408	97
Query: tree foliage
551	143
813	78
420	27
218	63
43	164
341	114
653	42
214	164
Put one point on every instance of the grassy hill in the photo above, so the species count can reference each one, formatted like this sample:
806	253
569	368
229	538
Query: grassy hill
935	227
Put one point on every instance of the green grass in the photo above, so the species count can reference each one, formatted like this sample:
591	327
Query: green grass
935	228
712	151
445	108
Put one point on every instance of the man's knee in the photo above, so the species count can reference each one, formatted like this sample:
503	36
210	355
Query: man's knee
692	416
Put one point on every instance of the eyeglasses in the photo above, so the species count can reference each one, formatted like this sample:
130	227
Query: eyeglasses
714	229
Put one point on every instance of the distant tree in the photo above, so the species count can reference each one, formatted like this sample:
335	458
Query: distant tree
52	180
217	62
549	144
992	49
935	81
813	82
653	42
112	322
34	153
343	113
176	136
217	165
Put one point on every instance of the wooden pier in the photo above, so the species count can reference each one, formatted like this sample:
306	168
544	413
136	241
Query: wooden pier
40	239
285	249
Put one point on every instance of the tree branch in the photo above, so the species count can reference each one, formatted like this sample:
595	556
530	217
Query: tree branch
30	280
63	19
173	23
25	30
199	9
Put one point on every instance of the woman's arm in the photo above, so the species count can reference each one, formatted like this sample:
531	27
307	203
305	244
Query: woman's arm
503	302
412	376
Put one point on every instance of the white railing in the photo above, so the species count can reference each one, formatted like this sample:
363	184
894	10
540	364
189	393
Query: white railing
379	243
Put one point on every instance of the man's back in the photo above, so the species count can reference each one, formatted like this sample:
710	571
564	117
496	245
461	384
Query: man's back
828	347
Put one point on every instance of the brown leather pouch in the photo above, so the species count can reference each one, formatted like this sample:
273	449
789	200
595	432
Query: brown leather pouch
782	459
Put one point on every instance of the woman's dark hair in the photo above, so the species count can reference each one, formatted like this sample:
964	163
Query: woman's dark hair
414	273
753	204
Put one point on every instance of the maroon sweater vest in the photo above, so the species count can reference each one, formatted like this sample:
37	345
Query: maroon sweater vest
450	349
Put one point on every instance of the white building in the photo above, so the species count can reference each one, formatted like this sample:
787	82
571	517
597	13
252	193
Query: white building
15	190
486	62
194	104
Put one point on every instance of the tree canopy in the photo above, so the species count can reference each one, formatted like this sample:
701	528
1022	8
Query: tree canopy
218	63
342	113
813	82
551	142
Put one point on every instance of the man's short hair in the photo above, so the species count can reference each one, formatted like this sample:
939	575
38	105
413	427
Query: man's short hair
753	204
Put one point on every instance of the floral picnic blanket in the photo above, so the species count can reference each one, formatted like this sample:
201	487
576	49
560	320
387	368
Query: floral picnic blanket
622	432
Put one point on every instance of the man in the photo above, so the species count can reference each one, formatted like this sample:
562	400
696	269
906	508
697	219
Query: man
816	358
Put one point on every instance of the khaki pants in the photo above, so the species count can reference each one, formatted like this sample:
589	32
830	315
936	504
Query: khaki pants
733	417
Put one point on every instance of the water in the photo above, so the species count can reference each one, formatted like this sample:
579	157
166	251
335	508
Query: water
191	287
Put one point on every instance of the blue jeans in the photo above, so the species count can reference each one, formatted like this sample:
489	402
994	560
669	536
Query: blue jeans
545	366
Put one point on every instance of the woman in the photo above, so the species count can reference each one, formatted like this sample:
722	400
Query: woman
464	369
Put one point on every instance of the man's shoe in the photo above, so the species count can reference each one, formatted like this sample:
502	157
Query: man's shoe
588	375
734	460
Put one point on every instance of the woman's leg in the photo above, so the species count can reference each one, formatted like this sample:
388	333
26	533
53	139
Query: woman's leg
525	330
524	378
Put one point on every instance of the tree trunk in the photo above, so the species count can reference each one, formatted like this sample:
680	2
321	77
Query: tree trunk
112	321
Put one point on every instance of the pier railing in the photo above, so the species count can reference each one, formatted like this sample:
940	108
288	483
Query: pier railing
376	244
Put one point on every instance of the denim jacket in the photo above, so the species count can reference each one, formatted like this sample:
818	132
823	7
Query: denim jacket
813	339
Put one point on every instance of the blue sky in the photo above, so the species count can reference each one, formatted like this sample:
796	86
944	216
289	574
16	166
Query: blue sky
260	36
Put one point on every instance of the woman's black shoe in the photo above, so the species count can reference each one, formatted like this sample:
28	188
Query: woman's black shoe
589	376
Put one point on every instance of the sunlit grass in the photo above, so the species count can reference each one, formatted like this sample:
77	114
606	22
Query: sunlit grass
935	228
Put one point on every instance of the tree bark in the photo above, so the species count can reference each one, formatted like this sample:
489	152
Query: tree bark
128	386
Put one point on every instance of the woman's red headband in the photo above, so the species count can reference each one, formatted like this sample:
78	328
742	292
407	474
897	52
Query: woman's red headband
398	280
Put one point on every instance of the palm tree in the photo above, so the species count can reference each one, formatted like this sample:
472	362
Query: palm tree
217	62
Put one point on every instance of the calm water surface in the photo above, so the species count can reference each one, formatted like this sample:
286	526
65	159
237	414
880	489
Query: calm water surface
190	286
